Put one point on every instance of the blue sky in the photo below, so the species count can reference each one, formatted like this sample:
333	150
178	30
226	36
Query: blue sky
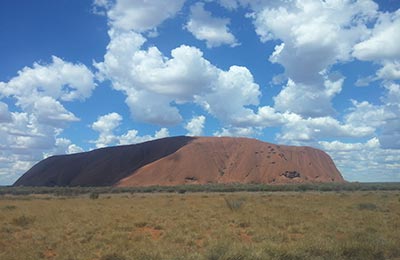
79	75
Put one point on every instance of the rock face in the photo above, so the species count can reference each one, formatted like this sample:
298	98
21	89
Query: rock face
185	160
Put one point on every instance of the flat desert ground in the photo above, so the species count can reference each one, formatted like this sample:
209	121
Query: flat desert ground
240	225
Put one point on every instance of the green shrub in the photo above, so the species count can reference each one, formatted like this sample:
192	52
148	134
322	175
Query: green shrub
23	221
367	206
244	224
9	207
234	203
141	224
181	191
94	195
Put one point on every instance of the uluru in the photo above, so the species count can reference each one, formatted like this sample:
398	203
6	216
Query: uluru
185	160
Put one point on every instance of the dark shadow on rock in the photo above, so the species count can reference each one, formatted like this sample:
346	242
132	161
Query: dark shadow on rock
100	167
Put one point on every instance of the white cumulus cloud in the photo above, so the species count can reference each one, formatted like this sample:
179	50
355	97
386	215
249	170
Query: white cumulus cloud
207	28
367	114
31	131
51	112
238	84
139	15
195	126
315	35
364	160
26	141
5	115
390	135
155	84
108	124
236	131
133	137
382	46
382	43
390	70
300	130
308	100
59	80
151	81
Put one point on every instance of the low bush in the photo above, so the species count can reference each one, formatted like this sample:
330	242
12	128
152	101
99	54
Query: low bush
367	206
234	204
141	224
8	207
23	221
94	195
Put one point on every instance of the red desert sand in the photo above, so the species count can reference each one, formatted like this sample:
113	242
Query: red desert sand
185	160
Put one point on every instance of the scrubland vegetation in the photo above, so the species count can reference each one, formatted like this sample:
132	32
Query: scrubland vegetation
95	225
73	191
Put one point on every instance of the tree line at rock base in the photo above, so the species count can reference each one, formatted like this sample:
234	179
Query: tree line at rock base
320	187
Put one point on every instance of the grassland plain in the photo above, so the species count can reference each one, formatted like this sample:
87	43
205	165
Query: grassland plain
240	225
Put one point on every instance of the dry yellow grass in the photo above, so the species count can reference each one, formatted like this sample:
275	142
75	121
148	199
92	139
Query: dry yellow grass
282	225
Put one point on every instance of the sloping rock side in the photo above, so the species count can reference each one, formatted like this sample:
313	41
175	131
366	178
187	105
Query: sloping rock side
185	160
